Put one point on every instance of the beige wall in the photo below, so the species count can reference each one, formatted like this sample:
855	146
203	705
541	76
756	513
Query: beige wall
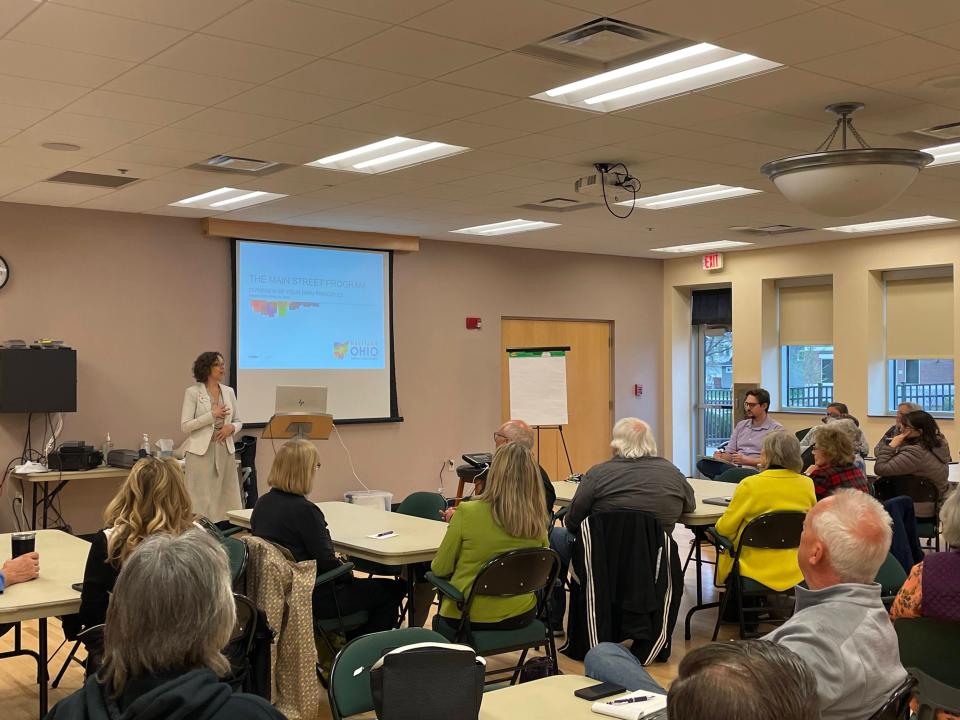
139	296
856	265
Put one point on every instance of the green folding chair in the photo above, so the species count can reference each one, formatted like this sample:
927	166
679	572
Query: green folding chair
891	577
735	474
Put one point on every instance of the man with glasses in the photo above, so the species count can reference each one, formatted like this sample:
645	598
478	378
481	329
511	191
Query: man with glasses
836	411
745	442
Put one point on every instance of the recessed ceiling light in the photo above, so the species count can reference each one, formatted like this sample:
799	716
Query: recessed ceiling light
944	154
226	198
698	247
506	228
62	146
386	155
681	71
692	196
898	224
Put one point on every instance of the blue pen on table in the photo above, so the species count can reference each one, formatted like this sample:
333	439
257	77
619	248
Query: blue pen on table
624	701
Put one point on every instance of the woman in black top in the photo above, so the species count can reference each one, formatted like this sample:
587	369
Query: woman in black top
286	517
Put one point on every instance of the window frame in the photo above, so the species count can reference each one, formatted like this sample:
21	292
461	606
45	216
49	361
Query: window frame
891	399
784	382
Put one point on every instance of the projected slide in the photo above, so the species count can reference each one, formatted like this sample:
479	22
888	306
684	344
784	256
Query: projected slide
313	316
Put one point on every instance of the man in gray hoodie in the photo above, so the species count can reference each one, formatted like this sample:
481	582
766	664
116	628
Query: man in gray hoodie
840	627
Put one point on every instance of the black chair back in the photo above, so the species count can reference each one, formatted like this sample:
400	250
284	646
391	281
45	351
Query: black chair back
516	573
918	489
897	706
778	530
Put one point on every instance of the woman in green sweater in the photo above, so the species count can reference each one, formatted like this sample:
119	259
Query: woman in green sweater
508	516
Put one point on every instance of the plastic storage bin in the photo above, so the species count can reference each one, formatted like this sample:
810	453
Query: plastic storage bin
380	499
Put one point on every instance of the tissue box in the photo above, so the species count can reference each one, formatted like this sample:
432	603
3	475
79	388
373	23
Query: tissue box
380	499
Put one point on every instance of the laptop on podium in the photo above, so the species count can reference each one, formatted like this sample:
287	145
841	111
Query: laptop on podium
301	399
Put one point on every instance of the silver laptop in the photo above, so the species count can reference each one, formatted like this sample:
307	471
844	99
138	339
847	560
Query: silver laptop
301	399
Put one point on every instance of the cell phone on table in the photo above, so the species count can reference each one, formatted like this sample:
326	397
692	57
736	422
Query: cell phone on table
78	587
599	691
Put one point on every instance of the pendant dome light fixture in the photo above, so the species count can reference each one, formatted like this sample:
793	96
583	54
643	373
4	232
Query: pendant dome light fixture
846	181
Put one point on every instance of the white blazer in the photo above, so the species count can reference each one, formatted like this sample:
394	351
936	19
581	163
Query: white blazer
196	417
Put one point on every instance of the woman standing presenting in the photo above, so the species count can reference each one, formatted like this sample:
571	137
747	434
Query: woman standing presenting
210	417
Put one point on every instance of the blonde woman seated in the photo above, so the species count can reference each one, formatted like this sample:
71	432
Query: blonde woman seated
833	467
508	516
284	516
779	486
153	499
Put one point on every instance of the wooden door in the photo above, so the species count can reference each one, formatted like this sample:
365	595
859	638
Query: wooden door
589	388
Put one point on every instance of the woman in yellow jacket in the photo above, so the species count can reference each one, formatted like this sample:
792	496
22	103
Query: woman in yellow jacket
780	486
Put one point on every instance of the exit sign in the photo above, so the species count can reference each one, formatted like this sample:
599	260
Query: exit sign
713	261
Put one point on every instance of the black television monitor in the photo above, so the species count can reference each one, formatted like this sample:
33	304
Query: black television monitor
38	380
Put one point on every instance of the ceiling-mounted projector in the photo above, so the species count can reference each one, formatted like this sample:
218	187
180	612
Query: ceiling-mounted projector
612	182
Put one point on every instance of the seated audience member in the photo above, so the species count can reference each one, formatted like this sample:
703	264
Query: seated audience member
897	427
508	516
19	569
745	442
153	499
750	680
921	450
635	478
833	466
172	612
284	516
838	411
933	587
779	486
840	627
519	432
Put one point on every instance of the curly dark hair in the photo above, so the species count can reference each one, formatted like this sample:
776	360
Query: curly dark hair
204	363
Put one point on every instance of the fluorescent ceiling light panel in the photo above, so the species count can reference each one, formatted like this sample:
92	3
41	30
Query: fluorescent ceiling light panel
506	228
226	198
386	155
944	154
898	224
681	71
692	196
699	247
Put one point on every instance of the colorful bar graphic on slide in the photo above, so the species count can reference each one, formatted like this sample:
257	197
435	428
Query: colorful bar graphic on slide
272	308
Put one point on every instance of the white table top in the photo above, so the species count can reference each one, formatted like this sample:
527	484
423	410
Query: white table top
417	539
549	698
952	468
62	560
100	473
703	514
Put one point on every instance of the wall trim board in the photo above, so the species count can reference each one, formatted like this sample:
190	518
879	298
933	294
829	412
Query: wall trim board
218	227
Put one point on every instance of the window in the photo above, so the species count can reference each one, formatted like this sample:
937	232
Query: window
919	341
807	375
927	382
806	349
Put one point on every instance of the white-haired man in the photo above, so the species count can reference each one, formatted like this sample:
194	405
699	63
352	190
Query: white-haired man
840	627
635	478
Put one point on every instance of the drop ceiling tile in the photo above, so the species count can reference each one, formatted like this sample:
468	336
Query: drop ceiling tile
177	85
38	93
390	12
29	142
515	74
143	196
111	130
745	154
347	82
277	152
543	147
104	103
710	20
808	36
294	26
904	55
682	143
14	11
67	28
47	193
483	161
429	173
599	7
414	53
45	63
277	102
913	117
177	211
203	144
17	177
499	23
608	130
381	120
685	111
298	180
34	156
325	141
466	134
923	86
199	179
19	117
548	170
609	154
531	116
492	182
230	59
444	100
102	166
948	34
905	17
186	14
151	155
772	128
256	127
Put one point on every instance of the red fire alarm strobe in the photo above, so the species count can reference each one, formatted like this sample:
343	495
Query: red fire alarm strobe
473	323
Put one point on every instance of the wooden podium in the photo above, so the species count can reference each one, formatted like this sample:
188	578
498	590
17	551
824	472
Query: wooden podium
313	426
